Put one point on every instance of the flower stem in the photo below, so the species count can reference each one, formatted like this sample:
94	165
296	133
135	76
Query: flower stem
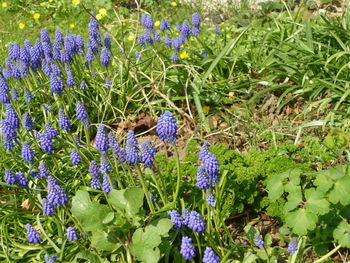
145	190
177	189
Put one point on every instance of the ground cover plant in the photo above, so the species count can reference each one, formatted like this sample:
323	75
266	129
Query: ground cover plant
81	182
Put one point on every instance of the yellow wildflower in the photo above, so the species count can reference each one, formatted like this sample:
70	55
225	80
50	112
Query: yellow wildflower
36	16
206	109
42	4
131	37
102	11
182	46
98	16
157	23
75	2
173	3
4	4
184	54
21	25
177	33
71	26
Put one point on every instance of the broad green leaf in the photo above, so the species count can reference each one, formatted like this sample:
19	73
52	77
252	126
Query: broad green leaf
109	217
101	241
90	214
275	185
301	221
294	199
250	231
342	234
129	200
341	191
145	241
88	255
315	202
249	257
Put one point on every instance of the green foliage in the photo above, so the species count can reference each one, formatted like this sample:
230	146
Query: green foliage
314	201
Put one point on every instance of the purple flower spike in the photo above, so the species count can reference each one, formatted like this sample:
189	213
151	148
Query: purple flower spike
27	153
72	234
259	241
147	154
167	127
293	245
63	121
187	249
75	157
101	139
33	236
196	222
131	148
177	219
210	256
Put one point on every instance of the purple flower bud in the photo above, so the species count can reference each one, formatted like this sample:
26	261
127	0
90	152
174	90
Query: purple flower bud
45	36
21	180
11	116
10	177
27	121
293	245
63	121
196	222
46	143
140	40
196	20
106	186
187	249
164	25
101	139
131	148
210	198
105	57
167	127
147	21
75	157
174	57
72	234
107	41
146	36
210	256
147	154
33	236
82	114
43	170
217	30
56	85
27	153
48	208
259	241
51	131
177	219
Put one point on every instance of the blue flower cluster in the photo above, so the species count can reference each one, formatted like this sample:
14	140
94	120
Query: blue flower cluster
258	241
208	174
191	219
183	33
33	235
293	245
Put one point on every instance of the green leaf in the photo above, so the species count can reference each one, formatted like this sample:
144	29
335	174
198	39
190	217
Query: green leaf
275	185
102	241
90	214
129	200
315	202
145	241
341	191
88	255
342	234
301	221
294	199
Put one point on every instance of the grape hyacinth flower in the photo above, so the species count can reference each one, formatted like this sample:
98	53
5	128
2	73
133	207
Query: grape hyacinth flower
27	121
82	114
106	186
131	148
70	78
147	154
104	163
167	127
174	57
47	108
196	222
10	177
48	208
82	85
186	216
57	85
33	236
196	20
140	40
185	29
14	94
156	36
146	36
211	165
11	116
75	157
51	131
293	245
101	139
177	219
21	180
176	43
45	36
187	249
259	241
138	55
4	89
105	57
147	21
210	256
164	25
72	234
108	83
195	31
27	153
50	258
167	41
95	181
217	30
210	198
203	179
63	121
46	143
107	41
43	170
28	95
56	195
204	53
